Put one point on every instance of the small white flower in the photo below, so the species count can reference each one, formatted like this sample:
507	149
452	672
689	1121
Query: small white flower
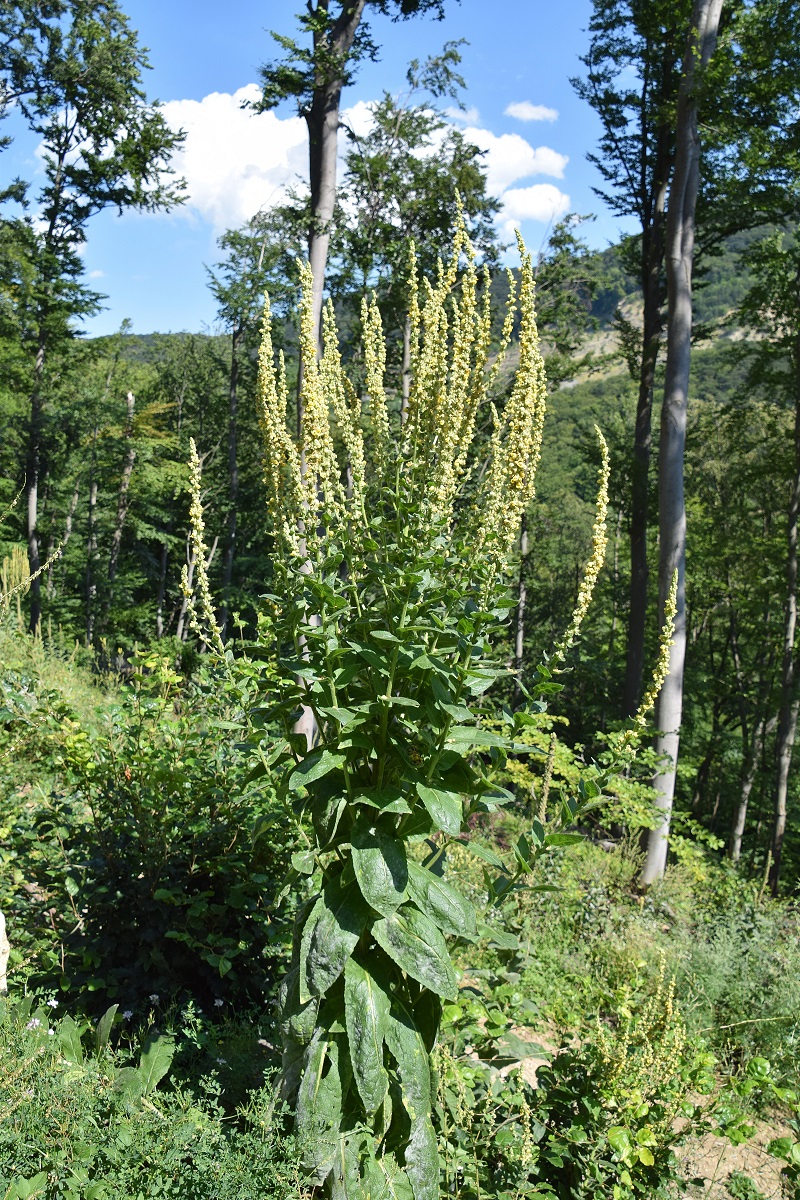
222	1061
126	1016
154	998
50	1032
53	1003
34	1023
218	1003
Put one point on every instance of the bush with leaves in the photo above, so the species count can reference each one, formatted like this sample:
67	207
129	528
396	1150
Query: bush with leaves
140	875
85	1116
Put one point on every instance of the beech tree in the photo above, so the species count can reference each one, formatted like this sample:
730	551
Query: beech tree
76	78
315	76
632	78
680	237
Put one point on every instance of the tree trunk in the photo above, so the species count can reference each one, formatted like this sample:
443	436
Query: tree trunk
761	731
122	504
33	468
790	700
73	504
671	504
162	589
322	119
233	479
91	543
522	597
652	260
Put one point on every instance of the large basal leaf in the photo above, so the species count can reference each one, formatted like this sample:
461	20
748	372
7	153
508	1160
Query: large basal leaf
381	867
446	907
155	1062
318	1112
416	945
299	1020
445	808
330	936
422	1160
366	1010
421	1154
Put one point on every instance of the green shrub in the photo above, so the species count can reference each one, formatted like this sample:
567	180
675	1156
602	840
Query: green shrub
140	874
82	1121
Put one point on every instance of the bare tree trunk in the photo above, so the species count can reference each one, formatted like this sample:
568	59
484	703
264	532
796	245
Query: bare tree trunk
671	504
122	506
91	543
762	730
233	478
322	119
73	504
522	598
32	471
790	700
162	589
652	261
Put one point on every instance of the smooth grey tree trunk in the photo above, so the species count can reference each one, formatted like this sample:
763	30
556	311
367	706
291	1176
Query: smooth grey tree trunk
406	369
652	261
672	443
762	730
322	120
790	699
33	468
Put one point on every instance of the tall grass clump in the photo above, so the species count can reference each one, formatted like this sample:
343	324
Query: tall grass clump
392	545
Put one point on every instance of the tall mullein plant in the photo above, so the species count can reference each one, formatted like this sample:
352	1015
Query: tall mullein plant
395	541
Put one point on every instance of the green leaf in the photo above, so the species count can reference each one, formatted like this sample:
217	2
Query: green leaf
506	941
445	808
69	1040
314	766
564	839
486	854
420	1152
471	735
645	1156
619	1139
412	941
330	935
155	1061
388	800
303	862
446	907
318	1109
103	1030
366	1010
381	867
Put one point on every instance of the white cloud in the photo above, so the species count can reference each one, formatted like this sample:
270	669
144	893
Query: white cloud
523	110
467	116
96	274
235	161
539	202
510	158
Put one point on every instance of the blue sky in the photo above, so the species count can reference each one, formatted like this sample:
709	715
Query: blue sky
521	109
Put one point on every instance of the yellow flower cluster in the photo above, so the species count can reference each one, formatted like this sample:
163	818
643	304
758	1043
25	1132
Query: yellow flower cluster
323	495
212	636
346	406
517	439
282	473
375	361
597	557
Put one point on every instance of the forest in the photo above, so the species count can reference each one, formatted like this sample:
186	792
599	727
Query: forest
399	680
